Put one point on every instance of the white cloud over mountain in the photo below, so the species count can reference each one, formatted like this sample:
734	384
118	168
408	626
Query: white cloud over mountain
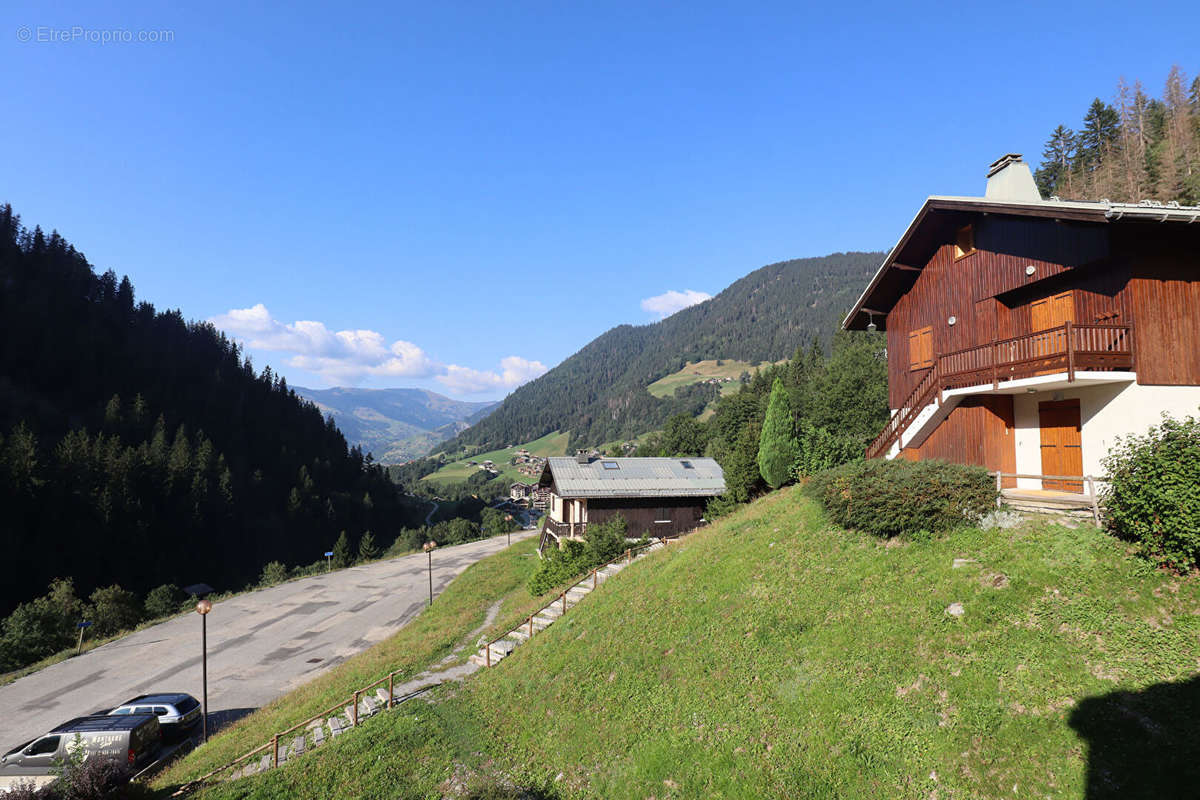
669	302
349	356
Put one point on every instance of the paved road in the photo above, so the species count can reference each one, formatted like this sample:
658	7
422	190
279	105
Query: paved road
260	645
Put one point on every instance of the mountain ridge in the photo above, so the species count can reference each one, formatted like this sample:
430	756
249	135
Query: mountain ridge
599	393
396	424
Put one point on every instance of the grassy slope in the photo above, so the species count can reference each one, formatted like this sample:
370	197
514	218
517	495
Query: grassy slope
772	656
700	371
552	444
432	635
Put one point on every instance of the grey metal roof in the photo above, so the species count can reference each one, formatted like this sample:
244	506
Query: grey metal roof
637	477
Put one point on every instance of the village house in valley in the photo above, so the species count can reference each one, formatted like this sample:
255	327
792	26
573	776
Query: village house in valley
1025	335
656	496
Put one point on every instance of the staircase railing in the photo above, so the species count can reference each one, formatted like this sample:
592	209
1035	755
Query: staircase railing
1068	347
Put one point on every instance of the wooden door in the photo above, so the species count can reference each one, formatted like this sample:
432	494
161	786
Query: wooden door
1062	448
1052	312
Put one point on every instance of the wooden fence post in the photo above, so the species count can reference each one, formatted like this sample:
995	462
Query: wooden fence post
355	709
1070	355
391	685
487	653
1095	504
564	599
629	556
275	750
531	626
594	579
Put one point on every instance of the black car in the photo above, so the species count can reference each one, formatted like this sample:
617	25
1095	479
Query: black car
177	713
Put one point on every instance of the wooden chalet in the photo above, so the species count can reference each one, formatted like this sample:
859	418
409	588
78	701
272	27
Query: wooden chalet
1025	335
656	496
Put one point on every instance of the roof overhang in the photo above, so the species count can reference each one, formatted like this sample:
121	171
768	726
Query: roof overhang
939	216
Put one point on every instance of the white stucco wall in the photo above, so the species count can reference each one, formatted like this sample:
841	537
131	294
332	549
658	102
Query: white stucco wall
1106	412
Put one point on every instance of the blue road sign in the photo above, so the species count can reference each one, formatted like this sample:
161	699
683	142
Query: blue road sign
329	554
84	624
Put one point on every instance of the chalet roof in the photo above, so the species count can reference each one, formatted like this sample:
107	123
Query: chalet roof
940	215
636	477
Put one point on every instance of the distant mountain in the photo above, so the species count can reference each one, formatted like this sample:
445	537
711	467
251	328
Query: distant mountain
599	394
396	425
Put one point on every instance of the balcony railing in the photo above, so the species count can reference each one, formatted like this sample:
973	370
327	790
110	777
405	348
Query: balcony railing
1067	348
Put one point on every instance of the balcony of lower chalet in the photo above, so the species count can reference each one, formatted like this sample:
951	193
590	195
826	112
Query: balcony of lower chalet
1069	355
558	532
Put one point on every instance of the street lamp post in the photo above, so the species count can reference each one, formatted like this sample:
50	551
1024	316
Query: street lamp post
428	548
202	608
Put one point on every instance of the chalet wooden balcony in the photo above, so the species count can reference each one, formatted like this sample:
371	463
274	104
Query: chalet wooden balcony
1067	348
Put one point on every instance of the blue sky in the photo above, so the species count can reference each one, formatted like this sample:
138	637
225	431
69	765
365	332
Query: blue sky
459	195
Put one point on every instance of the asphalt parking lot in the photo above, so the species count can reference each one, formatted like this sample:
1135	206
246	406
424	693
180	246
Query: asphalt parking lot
260	645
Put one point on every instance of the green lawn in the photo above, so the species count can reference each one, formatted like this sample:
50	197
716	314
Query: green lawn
772	655
701	371
552	444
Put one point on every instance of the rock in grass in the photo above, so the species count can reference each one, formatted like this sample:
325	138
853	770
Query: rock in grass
955	609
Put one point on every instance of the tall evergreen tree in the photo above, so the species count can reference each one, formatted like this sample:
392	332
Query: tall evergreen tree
342	555
777	445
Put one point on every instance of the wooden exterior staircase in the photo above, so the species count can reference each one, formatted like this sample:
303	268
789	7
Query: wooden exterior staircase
1066	348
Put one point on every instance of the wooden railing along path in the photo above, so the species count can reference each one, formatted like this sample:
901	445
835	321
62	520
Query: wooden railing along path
1067	348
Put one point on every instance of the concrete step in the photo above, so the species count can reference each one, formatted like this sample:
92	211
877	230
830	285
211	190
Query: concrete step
336	726
264	763
382	694
318	737
579	592
521	634
297	748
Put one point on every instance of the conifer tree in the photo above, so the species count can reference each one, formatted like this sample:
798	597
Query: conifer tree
341	551
367	550
777	445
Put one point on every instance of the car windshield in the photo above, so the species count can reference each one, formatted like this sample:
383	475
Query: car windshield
122	710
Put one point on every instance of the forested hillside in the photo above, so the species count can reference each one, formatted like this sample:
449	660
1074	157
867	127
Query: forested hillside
599	394
141	449
1136	148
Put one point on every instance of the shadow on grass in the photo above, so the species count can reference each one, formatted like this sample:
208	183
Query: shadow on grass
1142	744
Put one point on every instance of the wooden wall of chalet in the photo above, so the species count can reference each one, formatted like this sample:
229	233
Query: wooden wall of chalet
642	514
978	431
1147	276
1164	299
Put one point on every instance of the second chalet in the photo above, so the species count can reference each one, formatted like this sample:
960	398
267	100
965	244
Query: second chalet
656	496
1026	334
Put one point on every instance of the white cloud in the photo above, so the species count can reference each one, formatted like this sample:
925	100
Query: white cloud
347	357
668	303
513	372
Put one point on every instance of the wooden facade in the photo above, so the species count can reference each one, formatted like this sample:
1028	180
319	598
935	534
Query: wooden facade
979	293
658	497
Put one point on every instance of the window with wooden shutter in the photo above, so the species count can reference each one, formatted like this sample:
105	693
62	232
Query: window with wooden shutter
920	349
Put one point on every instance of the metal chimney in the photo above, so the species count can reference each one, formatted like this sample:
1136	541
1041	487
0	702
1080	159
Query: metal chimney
1009	178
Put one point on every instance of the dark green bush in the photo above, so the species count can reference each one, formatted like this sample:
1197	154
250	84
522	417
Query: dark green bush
164	601
1153	493
913	498
603	542
114	610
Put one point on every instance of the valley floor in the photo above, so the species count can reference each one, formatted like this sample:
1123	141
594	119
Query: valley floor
771	655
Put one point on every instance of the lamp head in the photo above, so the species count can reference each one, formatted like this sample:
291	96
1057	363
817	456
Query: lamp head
430	545
204	606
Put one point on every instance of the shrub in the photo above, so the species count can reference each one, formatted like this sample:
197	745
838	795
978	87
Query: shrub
890	498
602	543
821	449
341	552
165	600
273	573
114	610
1153	492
